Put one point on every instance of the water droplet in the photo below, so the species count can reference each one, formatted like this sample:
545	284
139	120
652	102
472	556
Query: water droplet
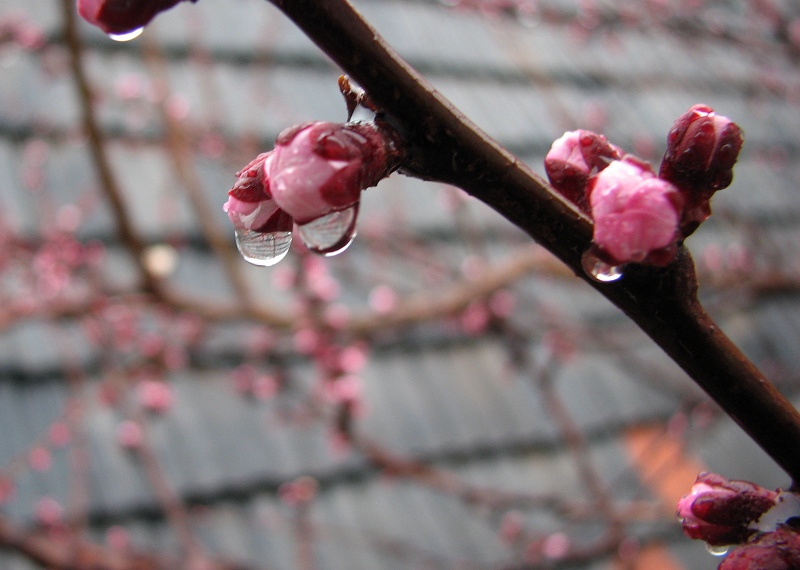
600	270
264	249
717	550
126	36
332	234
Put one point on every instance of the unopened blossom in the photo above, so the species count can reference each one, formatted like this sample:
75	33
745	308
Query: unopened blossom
635	214
721	511
702	148
319	168
776	550
250	205
574	158
122	16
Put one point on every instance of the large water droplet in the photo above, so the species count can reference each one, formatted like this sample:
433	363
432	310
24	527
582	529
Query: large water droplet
717	550
332	234
264	249
127	36
599	270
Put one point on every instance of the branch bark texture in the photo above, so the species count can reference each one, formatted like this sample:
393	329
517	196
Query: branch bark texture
445	146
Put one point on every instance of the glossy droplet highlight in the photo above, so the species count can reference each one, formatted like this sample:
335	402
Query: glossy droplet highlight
717	550
127	36
331	234
600	270
263	249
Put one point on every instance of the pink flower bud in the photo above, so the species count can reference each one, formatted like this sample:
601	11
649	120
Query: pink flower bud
122	16
320	168
778	550
573	159
721	512
635	214
702	148
250	205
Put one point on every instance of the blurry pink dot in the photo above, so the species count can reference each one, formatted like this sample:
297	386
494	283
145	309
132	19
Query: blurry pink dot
502	303
299	491
243	378
382	299
151	344
68	218
265	387
511	527
59	434
212	145
129	434
175	357
130	86
118	538
325	287
556	546
344	389
177	107
306	340
353	358
6	489
284	277
337	315
475	318
155	395
48	511
40	459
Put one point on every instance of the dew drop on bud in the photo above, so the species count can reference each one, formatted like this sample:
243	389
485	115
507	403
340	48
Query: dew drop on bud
599	270
331	234
717	550
127	36
264	249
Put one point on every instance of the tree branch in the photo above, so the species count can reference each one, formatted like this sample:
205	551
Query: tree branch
443	145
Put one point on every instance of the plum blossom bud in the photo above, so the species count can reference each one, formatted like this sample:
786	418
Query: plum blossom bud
250	205
319	168
702	148
721	511
778	550
574	158
635	214
122	16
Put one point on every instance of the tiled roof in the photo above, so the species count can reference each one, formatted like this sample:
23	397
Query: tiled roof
432	392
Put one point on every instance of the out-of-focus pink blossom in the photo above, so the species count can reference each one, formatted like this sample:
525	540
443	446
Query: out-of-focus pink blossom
777	550
702	148
155	395
573	159
721	511
122	16
320	168
130	435
635	213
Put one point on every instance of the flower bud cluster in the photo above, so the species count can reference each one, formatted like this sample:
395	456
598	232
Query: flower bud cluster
722	512
725	512
640	217
315	170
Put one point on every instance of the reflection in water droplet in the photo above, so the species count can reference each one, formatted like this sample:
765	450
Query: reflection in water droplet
127	36
717	550
332	234
264	249
600	270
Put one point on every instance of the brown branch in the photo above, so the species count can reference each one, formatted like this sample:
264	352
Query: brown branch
443	145
108	182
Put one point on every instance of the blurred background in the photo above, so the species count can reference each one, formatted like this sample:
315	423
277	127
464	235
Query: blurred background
444	394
